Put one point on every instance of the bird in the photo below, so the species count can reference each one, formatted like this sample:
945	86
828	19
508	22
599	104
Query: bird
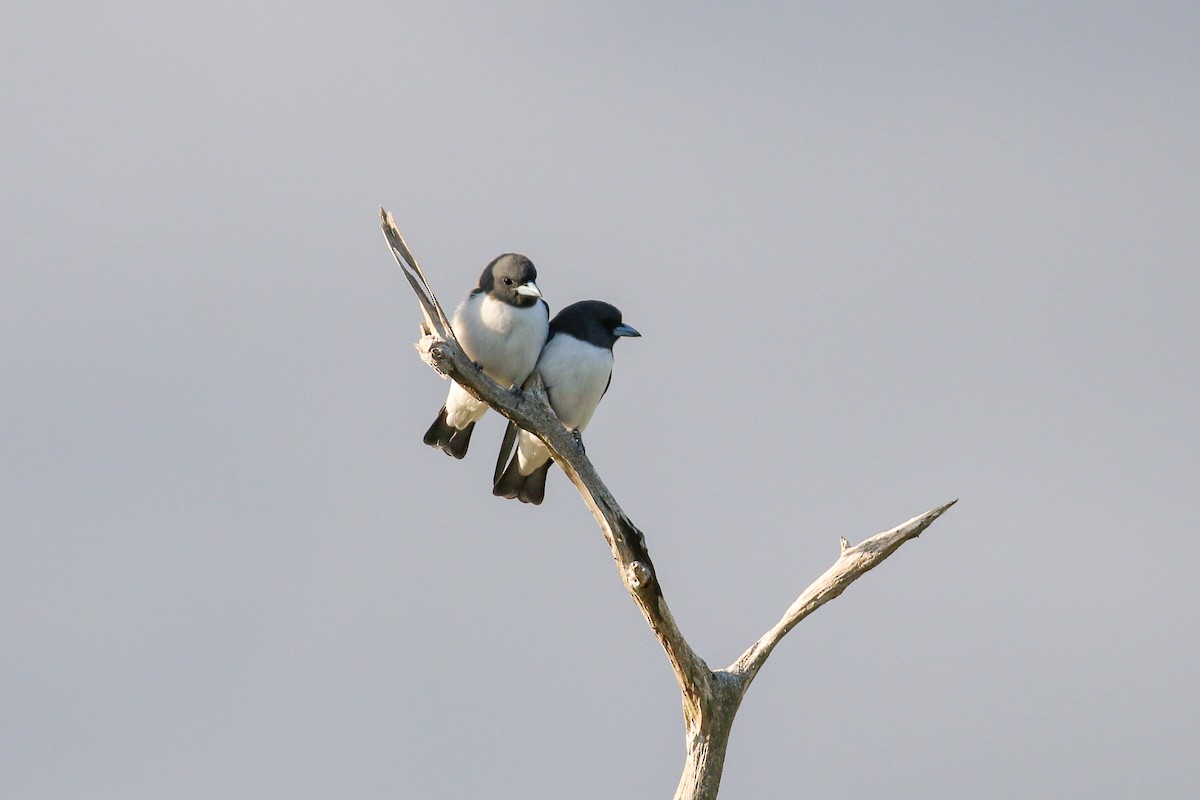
576	368
502	326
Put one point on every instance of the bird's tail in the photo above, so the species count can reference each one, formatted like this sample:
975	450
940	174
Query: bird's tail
526	488
453	441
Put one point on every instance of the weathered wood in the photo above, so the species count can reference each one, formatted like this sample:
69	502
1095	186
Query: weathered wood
853	563
531	411
710	699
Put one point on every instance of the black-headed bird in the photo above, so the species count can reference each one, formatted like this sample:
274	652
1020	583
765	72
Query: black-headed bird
576	367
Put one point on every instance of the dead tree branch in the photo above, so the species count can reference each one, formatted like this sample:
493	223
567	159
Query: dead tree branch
710	699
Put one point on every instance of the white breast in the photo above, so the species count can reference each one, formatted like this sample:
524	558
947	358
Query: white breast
503	339
576	375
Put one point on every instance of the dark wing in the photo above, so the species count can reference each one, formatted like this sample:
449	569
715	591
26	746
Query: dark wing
506	446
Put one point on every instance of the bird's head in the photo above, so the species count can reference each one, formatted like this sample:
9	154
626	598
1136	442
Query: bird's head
511	279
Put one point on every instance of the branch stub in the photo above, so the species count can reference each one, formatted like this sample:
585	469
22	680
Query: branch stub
638	575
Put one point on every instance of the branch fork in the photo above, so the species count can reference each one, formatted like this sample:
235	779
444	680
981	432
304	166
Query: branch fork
710	698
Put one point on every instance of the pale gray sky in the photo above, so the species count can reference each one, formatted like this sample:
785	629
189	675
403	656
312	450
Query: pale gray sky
882	256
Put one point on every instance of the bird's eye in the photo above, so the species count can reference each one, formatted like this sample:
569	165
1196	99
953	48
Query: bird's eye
508	281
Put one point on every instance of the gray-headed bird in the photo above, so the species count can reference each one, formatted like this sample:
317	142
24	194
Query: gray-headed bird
502	326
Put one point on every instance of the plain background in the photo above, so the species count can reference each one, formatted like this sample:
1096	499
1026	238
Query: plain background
882	254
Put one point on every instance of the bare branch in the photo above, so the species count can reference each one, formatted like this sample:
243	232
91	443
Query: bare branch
853	563
435	317
710	699
531	411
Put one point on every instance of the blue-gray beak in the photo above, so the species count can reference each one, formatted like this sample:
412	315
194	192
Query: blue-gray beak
625	330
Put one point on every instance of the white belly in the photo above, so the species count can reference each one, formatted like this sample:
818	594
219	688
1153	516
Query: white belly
576	375
504	340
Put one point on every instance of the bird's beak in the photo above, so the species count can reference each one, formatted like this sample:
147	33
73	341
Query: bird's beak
529	289
625	330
